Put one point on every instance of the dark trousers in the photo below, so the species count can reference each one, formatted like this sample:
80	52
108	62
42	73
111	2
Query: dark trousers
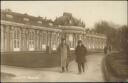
63	68
81	67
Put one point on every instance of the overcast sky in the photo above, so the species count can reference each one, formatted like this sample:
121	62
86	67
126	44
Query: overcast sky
89	11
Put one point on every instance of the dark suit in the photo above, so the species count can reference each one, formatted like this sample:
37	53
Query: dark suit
80	53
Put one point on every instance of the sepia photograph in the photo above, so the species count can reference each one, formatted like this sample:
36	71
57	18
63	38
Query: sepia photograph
64	41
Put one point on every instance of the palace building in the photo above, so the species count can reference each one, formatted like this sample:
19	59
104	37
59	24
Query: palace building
22	32
25	38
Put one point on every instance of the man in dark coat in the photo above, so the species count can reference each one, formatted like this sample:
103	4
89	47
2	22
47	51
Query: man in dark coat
80	53
107	50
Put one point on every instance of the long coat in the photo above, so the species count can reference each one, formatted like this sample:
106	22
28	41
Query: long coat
80	53
107	50
64	52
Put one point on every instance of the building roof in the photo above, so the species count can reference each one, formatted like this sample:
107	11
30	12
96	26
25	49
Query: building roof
68	20
39	22
24	18
71	28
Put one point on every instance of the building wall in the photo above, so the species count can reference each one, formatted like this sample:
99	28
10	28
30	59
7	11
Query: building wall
24	41
25	37
20	38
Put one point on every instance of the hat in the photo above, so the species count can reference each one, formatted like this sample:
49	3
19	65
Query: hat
62	39
79	41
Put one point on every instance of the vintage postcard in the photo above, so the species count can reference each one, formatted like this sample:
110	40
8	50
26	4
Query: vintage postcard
64	41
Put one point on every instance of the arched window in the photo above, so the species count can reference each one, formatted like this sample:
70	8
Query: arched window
2	38
16	42
71	40
44	40
58	39
31	41
53	41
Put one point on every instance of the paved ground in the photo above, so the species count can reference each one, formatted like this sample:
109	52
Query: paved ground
18	74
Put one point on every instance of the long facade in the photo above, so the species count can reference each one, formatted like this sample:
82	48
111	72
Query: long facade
21	32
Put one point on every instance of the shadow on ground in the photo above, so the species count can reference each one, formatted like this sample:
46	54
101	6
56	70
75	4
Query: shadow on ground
7	75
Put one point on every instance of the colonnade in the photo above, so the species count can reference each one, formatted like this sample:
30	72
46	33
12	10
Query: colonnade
20	38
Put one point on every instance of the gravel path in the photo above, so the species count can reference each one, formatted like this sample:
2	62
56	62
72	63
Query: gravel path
93	72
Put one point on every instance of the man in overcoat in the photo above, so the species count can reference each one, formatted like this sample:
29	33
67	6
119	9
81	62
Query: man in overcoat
64	52
80	53
107	50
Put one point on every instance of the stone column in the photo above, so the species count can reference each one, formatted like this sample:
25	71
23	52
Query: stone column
46	38
54	39
96	43
57	39
2	38
76	38
85	42
25	39
47	42
22	39
40	40
7	38
43	38
50	39
91	42
60	36
11	38
37	41
88	42
66	38
19	37
56	42
73	42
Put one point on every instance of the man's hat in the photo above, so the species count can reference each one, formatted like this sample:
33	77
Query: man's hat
79	41
62	39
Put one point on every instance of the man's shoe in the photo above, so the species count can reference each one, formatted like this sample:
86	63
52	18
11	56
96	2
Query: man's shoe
66	69
61	71
79	72
83	70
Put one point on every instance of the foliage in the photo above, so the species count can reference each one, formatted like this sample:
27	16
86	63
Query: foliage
105	28
116	37
123	38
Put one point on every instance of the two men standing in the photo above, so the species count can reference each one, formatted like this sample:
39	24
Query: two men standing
64	52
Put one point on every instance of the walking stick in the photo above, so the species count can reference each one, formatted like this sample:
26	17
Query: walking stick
86	66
